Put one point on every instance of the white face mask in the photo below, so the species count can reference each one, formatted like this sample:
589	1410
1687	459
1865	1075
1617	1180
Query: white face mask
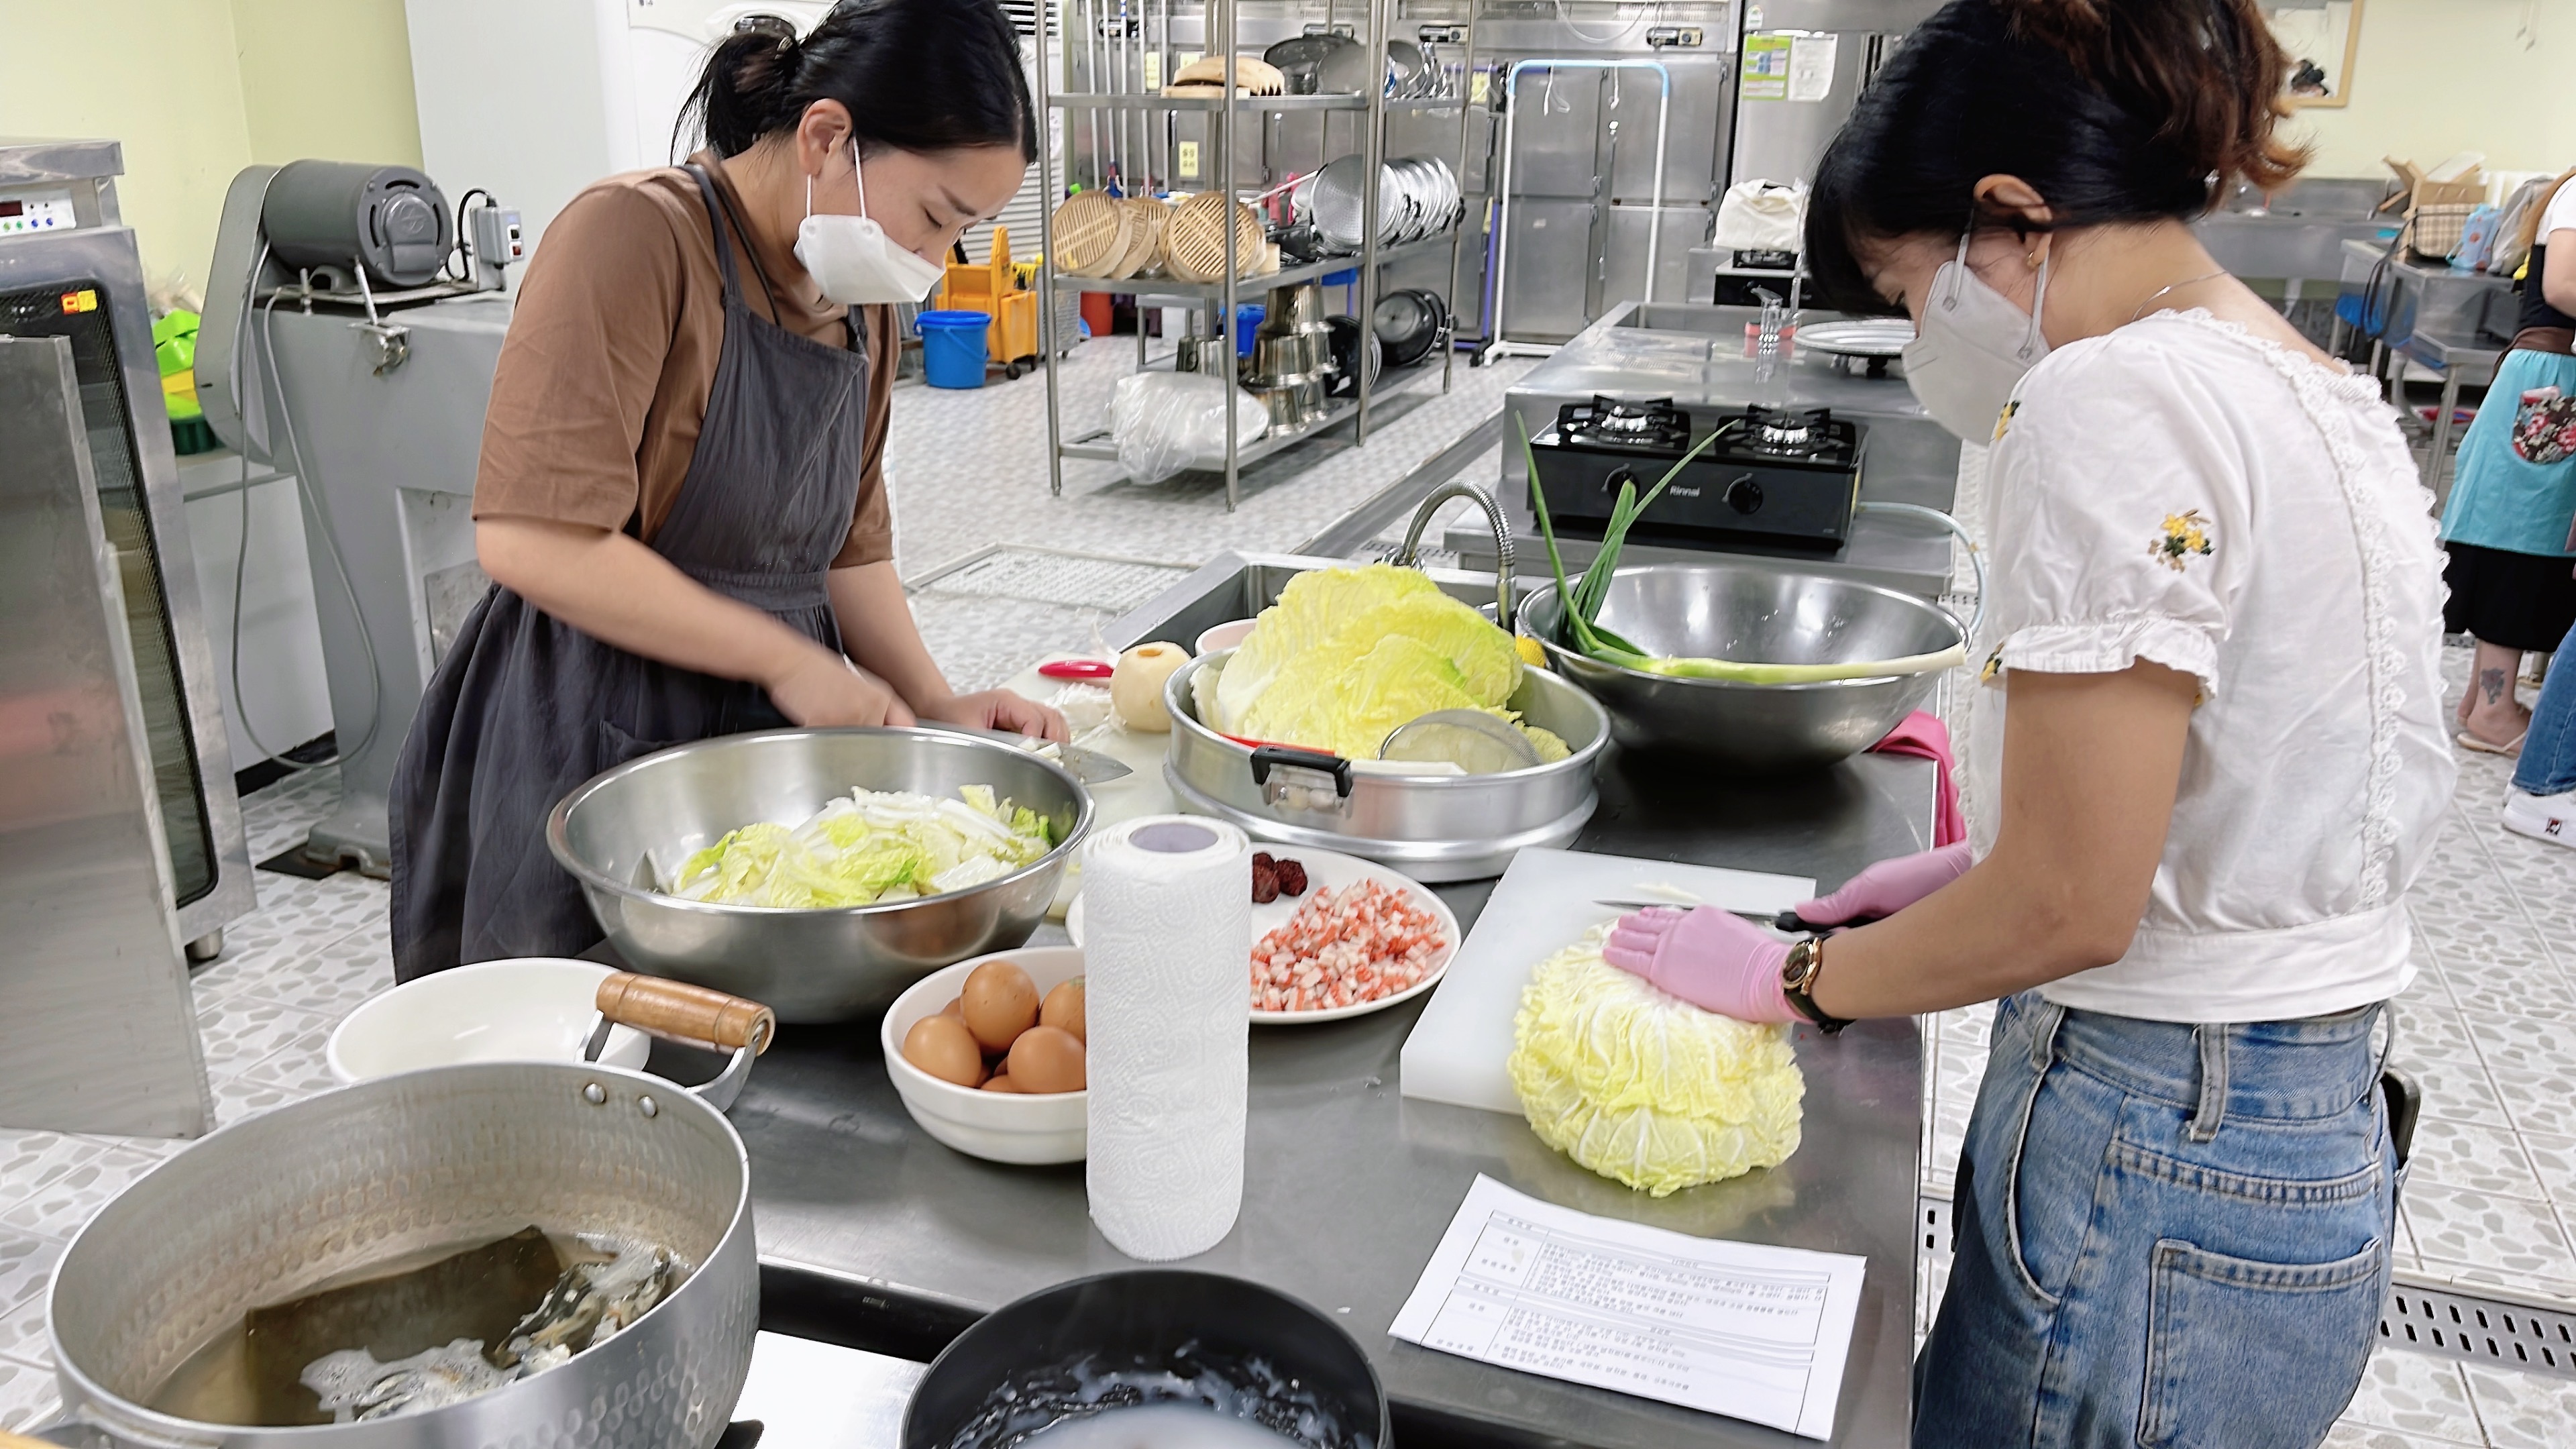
852	259
1971	349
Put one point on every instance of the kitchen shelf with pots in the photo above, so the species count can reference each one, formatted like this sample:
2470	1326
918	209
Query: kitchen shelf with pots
1215	101
1284	277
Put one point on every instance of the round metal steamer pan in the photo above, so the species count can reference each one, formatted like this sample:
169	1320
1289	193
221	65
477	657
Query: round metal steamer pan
807	965
271	1207
1432	828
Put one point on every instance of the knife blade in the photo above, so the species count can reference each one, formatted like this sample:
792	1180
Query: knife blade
1091	767
1789	921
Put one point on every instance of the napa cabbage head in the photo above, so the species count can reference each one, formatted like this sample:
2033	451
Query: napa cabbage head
1644	1087
1346	655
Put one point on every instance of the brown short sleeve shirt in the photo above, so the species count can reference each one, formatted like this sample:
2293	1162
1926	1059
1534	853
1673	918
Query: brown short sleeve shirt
602	383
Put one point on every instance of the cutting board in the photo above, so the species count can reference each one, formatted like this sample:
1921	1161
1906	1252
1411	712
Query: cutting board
1543	904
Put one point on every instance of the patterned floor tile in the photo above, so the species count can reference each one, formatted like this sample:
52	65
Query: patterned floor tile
330	982
2554	1158
2415	1393
29	1161
2347	1434
300	1068
2524	1411
2472	1156
2526	1043
239	1030
22	1331
2478	1230
26	1265
2454	1089
60	1208
27	1396
2543	1101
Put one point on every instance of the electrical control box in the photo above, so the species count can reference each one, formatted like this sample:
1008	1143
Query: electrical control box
36	211
497	241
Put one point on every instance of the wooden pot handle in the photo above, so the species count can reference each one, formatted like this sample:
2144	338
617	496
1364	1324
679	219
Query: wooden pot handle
21	1441
682	1012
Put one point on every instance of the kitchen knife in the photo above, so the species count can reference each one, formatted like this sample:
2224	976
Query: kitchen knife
1091	767
1788	921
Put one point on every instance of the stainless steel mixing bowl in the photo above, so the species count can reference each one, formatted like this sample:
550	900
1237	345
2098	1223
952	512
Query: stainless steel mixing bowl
1758	616
817	965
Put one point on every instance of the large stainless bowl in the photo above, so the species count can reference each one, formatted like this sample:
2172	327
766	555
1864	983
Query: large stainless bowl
808	965
1758	616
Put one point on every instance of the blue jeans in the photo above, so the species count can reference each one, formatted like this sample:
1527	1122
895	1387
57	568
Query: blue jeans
2548	764
2167	1235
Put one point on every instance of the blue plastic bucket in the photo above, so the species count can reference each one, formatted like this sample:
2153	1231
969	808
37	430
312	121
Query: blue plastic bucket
952	348
1247	321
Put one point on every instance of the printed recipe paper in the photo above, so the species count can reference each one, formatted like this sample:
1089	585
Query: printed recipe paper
1752	1332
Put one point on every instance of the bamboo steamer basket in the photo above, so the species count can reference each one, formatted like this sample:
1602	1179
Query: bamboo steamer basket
1145	236
1194	240
1205	76
1092	234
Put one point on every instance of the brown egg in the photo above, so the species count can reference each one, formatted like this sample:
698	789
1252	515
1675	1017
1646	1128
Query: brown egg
999	1082
955	1008
1062	1009
1047	1059
941	1046
1000	1002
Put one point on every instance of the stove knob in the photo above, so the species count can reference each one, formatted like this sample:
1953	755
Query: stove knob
1744	495
1621	474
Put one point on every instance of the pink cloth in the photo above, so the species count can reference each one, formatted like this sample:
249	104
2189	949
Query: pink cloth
1707	957
1925	737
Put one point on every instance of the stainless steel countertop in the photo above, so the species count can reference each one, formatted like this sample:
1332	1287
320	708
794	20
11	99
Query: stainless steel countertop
1349	1186
1696	356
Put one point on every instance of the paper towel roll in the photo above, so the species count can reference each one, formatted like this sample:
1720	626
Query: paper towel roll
1167	1009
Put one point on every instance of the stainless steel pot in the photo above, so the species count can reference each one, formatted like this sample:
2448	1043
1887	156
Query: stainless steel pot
817	965
1756	615
272	1207
1433	828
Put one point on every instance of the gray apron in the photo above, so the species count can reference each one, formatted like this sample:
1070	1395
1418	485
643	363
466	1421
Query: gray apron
525	707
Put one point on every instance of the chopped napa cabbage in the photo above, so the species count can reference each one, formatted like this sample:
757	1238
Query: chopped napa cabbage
1646	1088
1347	655
866	848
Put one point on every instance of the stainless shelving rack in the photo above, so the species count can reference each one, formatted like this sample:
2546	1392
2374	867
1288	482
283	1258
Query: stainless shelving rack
1121	109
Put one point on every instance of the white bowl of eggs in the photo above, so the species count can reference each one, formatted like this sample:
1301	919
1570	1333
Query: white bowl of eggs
988	1055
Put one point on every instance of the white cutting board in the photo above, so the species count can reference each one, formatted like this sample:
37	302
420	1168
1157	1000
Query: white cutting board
1543	904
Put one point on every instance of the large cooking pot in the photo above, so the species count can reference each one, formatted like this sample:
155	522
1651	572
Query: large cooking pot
1150	1335
1431	827
398	1168
817	965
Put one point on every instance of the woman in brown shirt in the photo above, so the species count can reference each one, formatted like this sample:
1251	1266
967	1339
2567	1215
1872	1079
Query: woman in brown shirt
680	497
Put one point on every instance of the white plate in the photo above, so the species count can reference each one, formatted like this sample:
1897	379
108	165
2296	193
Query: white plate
1858	336
1328	868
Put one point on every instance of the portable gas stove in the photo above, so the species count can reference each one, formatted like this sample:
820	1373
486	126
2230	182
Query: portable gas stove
1780	476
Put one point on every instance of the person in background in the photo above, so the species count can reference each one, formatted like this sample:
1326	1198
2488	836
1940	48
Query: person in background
2507	523
2541	801
680	497
2213	736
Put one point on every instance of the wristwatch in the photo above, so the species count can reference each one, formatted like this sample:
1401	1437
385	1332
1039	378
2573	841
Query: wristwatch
1798	977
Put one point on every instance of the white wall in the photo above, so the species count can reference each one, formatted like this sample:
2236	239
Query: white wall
2436	77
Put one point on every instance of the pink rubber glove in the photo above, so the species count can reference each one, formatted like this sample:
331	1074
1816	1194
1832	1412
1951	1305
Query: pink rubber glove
1889	886
1707	957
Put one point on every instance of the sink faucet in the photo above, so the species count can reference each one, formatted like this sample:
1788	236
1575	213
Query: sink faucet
1410	556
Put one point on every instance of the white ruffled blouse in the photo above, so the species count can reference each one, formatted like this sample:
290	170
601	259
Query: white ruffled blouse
2183	492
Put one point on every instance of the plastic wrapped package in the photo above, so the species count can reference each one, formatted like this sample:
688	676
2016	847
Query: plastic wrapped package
1164	422
1644	1087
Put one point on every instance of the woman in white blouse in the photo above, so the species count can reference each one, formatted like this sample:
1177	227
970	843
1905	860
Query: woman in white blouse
2212	750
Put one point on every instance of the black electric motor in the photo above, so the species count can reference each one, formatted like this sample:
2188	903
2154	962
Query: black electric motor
390	220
